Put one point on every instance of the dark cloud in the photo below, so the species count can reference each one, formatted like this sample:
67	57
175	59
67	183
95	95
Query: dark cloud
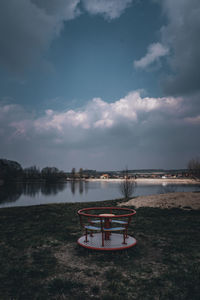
64	10
28	27
182	35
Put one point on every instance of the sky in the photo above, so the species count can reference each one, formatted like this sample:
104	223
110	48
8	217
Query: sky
100	84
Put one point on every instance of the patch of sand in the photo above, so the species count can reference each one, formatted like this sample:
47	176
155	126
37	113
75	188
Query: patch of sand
150	180
184	200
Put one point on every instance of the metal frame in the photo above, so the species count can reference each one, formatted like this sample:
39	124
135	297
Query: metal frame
105	230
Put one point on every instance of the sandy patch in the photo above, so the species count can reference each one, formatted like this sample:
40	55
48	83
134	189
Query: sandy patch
166	181
182	200
150	180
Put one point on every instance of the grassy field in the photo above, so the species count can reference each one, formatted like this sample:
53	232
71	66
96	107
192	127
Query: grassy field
39	257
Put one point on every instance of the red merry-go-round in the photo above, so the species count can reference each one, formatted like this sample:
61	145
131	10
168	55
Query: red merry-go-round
106	228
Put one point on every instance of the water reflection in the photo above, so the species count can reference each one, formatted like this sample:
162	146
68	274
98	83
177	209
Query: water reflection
52	189
86	187
77	191
81	187
167	188
73	187
78	187
12	192
30	189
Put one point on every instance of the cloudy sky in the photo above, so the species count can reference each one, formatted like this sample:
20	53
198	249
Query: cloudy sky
100	84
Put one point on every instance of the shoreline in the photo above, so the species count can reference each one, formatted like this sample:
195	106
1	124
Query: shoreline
151	180
182	200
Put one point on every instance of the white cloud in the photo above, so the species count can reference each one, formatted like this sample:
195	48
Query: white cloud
101	114
193	120
96	115
154	52
126	127
111	9
59	121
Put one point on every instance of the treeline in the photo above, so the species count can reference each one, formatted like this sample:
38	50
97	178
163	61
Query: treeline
82	174
50	174
12	171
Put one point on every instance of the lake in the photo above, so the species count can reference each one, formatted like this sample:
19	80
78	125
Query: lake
83	191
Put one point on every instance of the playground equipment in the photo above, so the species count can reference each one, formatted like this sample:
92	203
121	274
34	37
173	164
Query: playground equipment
106	228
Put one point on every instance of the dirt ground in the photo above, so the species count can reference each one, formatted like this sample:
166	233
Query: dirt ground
184	200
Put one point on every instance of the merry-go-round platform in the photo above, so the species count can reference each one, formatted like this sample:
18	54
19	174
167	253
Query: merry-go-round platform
106	228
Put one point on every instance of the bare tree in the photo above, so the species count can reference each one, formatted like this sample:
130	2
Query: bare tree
73	174
127	186
52	174
194	167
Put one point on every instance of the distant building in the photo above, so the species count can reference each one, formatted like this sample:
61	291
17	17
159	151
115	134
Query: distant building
104	176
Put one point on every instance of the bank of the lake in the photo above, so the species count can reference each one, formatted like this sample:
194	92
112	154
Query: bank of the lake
188	200
27	194
151	180
41	260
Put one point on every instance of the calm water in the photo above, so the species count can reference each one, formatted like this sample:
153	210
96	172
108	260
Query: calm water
35	194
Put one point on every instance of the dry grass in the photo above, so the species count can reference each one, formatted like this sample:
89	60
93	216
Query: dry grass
186	200
40	258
